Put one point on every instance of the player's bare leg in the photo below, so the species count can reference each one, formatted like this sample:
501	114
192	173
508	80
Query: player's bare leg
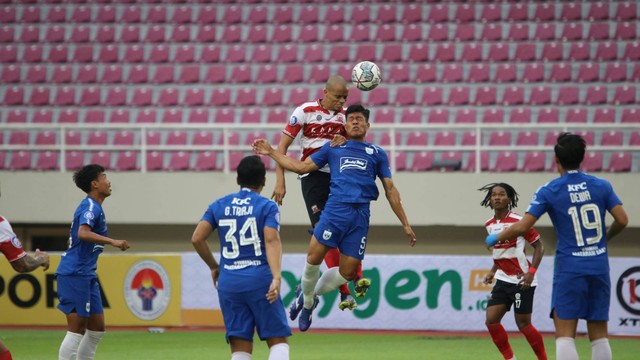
241	349
565	337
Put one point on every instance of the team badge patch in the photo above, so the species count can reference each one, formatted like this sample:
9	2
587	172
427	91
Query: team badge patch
369	150
293	121
88	215
16	242
327	234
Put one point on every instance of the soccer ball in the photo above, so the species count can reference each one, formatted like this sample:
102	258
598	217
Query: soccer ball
366	75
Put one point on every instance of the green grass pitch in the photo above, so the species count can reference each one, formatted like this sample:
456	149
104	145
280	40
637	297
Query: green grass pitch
195	345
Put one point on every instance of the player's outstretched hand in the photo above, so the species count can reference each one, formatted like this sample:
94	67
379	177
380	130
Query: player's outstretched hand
279	191
121	244
45	258
411	235
274	291
261	147
337	140
491	239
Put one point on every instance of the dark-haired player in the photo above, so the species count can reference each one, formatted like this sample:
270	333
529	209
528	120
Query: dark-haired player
577	204
514	274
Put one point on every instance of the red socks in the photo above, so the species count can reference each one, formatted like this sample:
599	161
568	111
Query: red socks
535	340
500	338
6	355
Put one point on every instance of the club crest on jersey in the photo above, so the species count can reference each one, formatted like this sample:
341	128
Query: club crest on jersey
16	242
368	150
88	215
326	235
319	117
293	121
352	163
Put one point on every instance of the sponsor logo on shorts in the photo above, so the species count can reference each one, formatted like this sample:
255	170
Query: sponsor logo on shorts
147	289
627	290
327	234
352	163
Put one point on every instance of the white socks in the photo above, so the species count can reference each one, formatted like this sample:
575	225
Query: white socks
69	347
329	281
310	276
279	352
601	350
89	344
566	348
240	356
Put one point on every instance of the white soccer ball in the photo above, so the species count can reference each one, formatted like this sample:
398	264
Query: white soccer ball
366	75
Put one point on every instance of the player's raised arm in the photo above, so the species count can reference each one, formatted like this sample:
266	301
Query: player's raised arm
393	196
280	189
262	147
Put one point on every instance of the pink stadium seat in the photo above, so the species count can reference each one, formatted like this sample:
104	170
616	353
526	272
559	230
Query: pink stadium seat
386	32
379	97
97	137
625	31
527	138
548	116
624	95
18	137
80	34
142	96
479	73
444	52
126	161
587	72
124	138
540	95
568	95
544	12
505	73
471	52
418	53
438	116
65	96
257	34
493	116
172	116
561	72
207	15
620	162
459	95
288	53
615	72
498	52
94	116
630	115
101	158
68	116
8	53
155	34
571	11
206	161
176	137
634	139
164	74
146	116
438	14
598	31
180	34
246	97
108	54
283	14
611	138
485	95
400	160
20	160
189	74
551	137
589	136
40	96
206	34
465	32
449	160
10	74
445	138
500	138
308	14
470	165
155	160
232	15
82	54
47	160
626	11
432	95
579	51
14	96
469	138
491	32
8	15
54	34
408	115
397	73
604	115
592	162
422	161
61	74
411	32
313	53
506	161
200	116
533	72
533	161
465	116
390	53
153	138
30	34
438	33
596	95
452	73
525	52
417	138
284	34
576	116
116	96
635	75
425	73
517	13
16	116
518	31
465	13
606	51
360	33
513	95
552	51
405	95
520	116
7	34
598	11
225	116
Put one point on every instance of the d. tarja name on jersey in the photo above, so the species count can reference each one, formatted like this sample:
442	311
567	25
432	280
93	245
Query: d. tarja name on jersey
581	196
352	163
243	208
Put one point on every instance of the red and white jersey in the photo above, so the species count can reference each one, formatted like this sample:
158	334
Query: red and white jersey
10	246
510	257
318	126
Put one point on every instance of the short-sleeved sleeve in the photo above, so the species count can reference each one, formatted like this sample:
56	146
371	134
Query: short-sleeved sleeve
296	121
209	216
272	219
531	236
10	245
384	169
90	215
539	203
321	157
612	199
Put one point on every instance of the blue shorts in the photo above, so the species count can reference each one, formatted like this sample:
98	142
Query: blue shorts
244	311
578	296
344	226
79	294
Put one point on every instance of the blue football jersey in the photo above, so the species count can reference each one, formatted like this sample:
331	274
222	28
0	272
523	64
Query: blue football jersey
577	204
240	219
81	258
354	167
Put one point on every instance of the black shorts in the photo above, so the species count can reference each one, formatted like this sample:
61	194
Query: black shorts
315	191
505	293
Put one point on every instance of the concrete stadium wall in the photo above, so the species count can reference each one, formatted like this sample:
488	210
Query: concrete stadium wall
180	198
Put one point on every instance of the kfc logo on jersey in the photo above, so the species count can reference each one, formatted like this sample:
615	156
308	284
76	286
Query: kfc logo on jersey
237	201
147	290
352	163
327	234
293	121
